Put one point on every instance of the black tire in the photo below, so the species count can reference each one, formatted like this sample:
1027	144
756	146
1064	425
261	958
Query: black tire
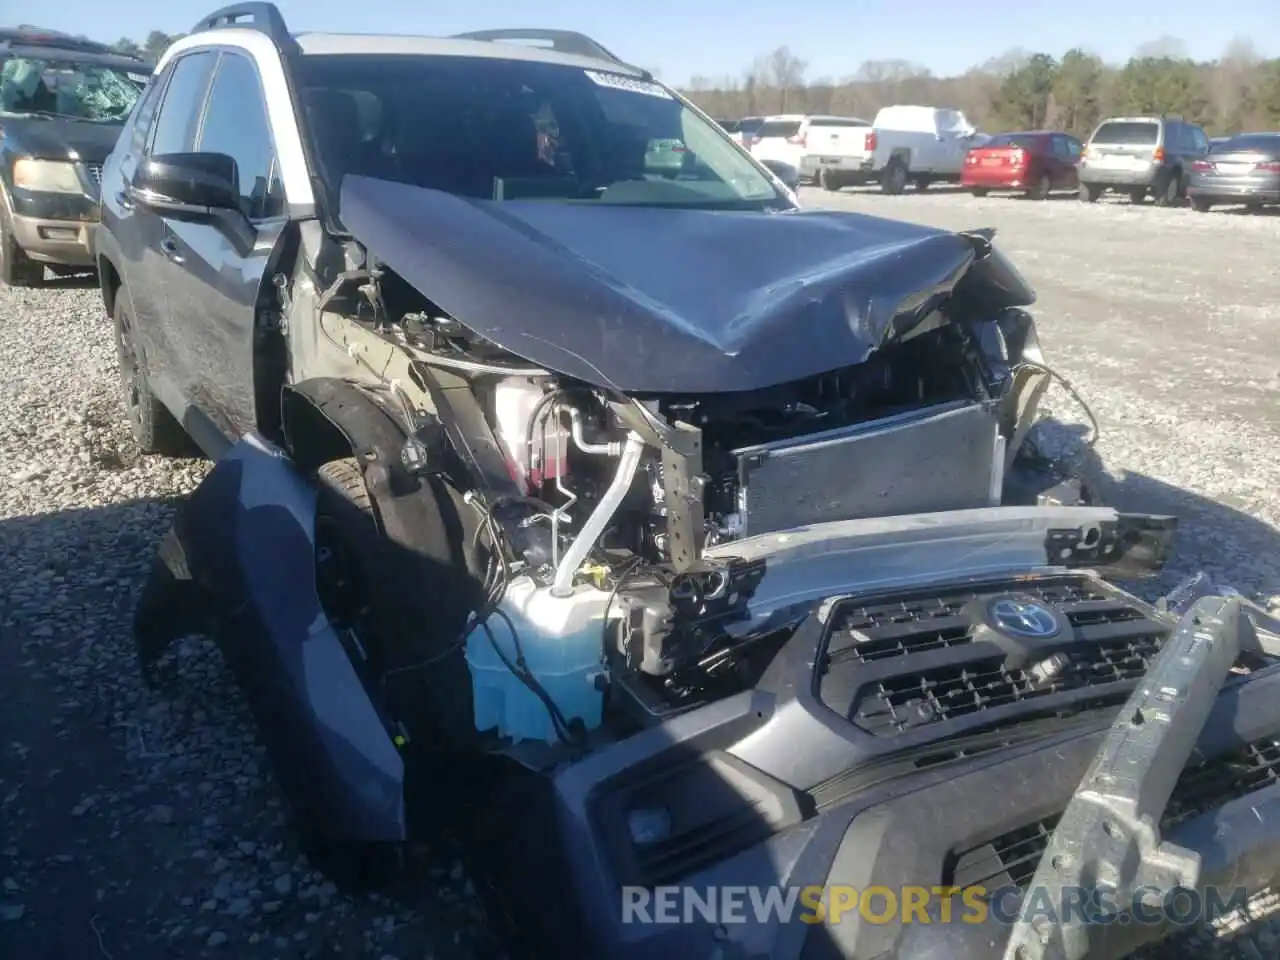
829	181
1089	193
922	183
347	523
379	638
1172	192
1042	188
980	191
1137	194
1201	205
894	179
16	268
155	430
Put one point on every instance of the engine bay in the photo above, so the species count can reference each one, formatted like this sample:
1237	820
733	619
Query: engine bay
600	601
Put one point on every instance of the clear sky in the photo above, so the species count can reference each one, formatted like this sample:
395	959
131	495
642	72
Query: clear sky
718	37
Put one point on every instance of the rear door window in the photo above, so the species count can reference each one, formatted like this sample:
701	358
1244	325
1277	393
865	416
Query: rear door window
778	128
175	127
144	113
1128	133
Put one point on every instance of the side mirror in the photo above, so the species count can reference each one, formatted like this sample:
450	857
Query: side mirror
784	172
188	184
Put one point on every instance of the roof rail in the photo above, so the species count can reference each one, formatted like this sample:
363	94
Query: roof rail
263	17
561	41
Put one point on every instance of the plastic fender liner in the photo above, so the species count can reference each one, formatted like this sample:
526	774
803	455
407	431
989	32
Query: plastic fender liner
427	579
243	544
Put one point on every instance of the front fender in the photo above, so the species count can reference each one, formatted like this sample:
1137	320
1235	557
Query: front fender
241	557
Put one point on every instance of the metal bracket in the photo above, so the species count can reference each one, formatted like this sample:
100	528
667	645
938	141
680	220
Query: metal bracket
1107	847
684	490
1135	545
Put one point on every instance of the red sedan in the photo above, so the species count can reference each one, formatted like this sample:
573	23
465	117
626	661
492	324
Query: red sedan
1035	163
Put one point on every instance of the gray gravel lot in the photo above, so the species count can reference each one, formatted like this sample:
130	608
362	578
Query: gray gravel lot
140	824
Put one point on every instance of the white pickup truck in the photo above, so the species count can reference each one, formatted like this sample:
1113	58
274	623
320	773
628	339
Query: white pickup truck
790	138
904	144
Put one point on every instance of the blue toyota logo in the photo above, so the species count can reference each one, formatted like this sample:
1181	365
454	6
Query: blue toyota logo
1022	618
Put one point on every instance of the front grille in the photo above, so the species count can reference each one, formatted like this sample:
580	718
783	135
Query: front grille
897	663
1205	785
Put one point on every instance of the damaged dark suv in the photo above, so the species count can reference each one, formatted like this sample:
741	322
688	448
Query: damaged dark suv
697	534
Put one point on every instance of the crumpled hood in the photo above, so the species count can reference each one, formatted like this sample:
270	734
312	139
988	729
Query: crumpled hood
661	300
55	139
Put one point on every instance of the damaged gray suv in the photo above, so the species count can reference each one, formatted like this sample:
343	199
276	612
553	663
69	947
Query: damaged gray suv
662	533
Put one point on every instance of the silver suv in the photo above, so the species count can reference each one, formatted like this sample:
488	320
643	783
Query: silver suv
1137	155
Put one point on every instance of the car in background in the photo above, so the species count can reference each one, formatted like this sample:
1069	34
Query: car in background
666	157
1242	169
1141	155
838	153
63	101
1033	162
918	144
786	137
742	130
785	172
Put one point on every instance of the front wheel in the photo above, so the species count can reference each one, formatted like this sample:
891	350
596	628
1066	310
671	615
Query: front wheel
1201	205
1089	193
980	191
1137	194
829	181
1041	190
16	268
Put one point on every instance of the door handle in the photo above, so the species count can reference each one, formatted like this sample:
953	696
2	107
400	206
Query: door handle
125	199
170	249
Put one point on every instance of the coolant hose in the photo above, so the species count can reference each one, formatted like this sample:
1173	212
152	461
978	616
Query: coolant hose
628	463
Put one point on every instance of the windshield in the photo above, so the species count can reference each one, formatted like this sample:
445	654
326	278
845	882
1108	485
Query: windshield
494	129
79	90
1131	134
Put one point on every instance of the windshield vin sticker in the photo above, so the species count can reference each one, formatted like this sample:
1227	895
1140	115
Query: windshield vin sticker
617	81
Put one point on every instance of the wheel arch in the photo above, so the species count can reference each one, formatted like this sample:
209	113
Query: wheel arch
328	419
426	558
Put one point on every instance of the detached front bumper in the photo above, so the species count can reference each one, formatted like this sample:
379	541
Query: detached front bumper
55	228
866	875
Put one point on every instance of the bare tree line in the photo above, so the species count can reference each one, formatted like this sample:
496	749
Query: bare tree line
1020	89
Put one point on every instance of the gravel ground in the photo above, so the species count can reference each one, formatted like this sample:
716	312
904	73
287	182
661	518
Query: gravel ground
140	824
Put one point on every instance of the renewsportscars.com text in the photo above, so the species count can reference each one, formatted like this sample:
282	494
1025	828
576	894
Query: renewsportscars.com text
919	904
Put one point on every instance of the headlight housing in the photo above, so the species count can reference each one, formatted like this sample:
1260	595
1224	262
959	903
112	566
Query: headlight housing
47	176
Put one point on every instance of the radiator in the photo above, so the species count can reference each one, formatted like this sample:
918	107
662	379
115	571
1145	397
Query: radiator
944	457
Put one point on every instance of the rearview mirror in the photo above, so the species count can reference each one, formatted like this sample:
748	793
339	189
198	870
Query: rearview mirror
192	184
